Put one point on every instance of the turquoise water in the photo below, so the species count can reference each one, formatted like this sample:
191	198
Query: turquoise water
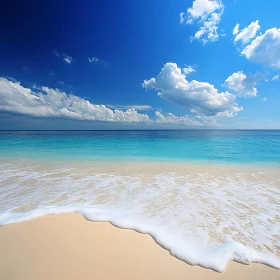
237	146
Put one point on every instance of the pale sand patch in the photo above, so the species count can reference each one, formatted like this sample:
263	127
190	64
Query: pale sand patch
70	247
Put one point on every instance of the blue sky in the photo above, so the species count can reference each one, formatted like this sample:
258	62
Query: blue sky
151	64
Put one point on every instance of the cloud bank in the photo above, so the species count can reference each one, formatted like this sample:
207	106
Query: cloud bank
54	103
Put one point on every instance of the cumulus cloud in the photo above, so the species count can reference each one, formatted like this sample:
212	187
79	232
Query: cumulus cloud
275	78
208	14
202	8
265	49
200	97
247	33
264	99
66	58
47	102
243	85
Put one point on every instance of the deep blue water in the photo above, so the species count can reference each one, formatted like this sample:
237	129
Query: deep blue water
236	146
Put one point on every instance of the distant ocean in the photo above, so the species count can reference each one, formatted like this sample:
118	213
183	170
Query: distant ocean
208	196
228	146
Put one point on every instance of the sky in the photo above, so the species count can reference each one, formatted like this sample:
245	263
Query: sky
148	64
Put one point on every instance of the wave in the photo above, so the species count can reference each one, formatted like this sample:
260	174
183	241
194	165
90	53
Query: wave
205	217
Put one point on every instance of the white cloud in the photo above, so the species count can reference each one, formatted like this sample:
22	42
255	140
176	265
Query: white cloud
236	29
93	59
96	60
264	99
182	17
47	102
247	33
208	32
207	13
56	53
55	103
136	107
189	69
242	84
275	78
200	97
66	58
202	8
11	79
265	49
172	119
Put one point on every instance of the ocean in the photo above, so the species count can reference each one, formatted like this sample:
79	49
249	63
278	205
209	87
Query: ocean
229	146
208	196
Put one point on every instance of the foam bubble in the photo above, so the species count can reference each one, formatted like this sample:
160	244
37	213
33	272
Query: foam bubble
204	217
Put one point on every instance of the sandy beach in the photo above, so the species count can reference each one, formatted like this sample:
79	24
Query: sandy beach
200	213
68	246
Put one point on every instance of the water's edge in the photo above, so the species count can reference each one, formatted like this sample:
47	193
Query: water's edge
200	213
8	219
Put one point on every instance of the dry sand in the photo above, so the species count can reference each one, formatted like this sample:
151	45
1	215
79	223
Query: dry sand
70	247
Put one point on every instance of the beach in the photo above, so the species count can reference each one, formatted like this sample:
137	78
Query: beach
68	214
70	247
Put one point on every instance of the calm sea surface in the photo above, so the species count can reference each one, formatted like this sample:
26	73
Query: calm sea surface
244	146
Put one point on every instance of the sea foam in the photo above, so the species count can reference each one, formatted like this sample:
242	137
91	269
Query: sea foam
206	217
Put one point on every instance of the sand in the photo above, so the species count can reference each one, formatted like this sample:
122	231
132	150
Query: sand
70	247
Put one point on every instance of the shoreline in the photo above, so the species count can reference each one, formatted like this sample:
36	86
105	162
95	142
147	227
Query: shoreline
167	164
67	246
151	198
